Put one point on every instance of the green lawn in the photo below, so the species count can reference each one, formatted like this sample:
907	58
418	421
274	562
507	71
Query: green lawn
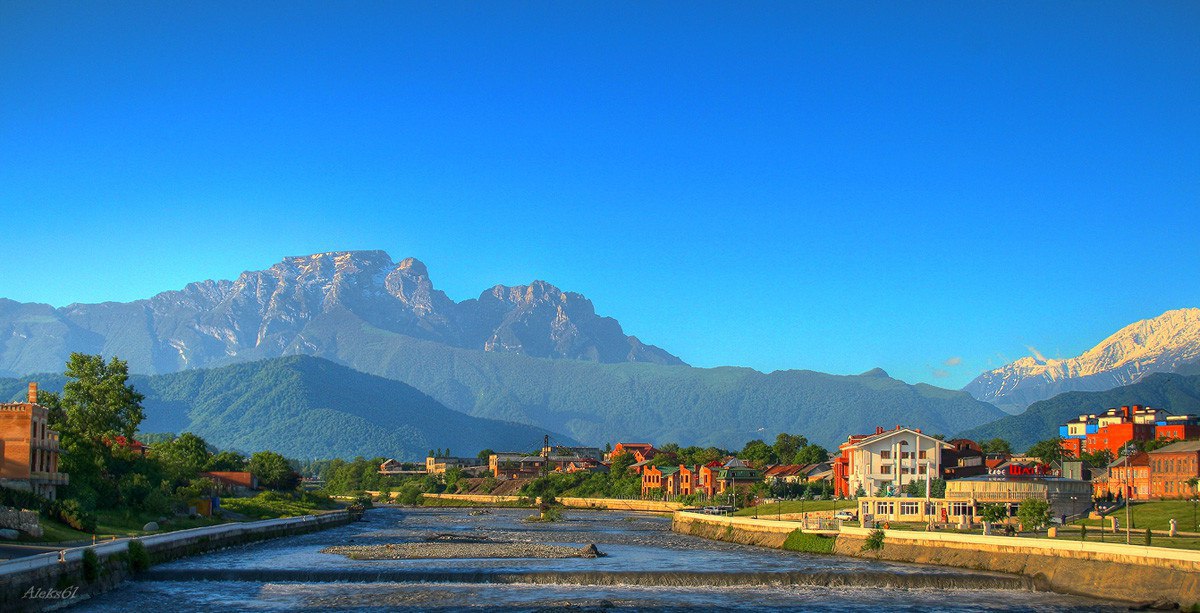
111	523
1155	515
271	505
797	506
1135	538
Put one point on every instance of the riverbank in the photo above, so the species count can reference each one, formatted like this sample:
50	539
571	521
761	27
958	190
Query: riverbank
1118	572
596	504
54	580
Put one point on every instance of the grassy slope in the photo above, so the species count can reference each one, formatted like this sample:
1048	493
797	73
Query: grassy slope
797	506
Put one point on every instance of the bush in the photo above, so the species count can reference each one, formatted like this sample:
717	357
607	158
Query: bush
809	543
874	541
91	565
73	514
139	560
1149	536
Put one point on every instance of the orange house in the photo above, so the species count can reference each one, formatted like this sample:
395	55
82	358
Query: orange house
29	448
640	451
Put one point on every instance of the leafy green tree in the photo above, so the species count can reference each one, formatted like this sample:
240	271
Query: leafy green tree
97	402
227	461
993	513
811	454
1034	513
1049	451
997	446
485	454
621	463
183	457
786	445
1098	458
273	471
758	453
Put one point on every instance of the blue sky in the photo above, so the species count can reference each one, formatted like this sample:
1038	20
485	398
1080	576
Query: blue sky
829	186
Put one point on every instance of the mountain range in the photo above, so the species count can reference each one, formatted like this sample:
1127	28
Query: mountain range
308	408
1167	343
1174	392
530	354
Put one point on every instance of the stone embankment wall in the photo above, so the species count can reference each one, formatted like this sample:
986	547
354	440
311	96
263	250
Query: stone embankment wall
48	576
608	504
20	520
1104	570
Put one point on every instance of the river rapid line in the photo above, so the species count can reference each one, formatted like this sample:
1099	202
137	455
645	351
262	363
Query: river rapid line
645	566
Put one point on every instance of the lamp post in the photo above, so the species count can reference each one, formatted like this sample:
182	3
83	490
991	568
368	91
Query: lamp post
1125	486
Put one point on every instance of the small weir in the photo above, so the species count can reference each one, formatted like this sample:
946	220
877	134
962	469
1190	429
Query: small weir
863	579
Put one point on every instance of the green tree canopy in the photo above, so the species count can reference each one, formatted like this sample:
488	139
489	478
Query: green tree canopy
758	453
786	445
182	457
485	454
1034	513
811	454
273	471
996	445
97	402
226	461
1049	451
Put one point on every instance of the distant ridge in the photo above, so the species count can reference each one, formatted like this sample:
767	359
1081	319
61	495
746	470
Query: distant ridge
308	408
1166	343
529	354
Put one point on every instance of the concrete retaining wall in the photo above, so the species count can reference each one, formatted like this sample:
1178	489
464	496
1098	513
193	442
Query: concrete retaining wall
59	574
1104	570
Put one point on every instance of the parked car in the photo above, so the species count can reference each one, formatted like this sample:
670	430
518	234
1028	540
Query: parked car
844	515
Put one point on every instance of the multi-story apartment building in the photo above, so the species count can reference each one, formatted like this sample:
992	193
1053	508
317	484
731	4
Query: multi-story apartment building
887	459
1115	428
29	448
1173	469
437	465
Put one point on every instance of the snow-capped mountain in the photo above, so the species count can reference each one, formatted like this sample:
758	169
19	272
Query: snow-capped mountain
1161	344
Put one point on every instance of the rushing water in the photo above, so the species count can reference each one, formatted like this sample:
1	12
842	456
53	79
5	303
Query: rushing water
646	567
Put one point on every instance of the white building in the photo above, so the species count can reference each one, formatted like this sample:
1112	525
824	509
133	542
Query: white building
893	459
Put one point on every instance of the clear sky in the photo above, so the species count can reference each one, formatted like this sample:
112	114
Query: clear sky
927	187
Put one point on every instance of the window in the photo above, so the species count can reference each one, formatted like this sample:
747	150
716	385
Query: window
960	508
905	455
923	469
886	454
921	454
886	469
910	508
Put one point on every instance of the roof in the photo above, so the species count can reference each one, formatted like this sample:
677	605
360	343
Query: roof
1140	458
1181	446
888	433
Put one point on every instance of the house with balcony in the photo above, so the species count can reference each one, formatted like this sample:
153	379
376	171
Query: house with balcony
887	461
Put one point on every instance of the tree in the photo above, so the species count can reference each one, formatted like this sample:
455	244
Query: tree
273	471
183	457
1034	513
227	461
1049	451
811	454
786	445
758	453
1098	458
620	463
485	454
997	446
993	513
97	402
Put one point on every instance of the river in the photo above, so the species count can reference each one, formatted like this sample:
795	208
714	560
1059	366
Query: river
646	566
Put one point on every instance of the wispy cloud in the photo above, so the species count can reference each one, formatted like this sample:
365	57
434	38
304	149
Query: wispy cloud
940	373
953	361
1037	354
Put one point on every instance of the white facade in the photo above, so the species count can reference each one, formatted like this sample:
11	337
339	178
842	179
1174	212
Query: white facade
894	459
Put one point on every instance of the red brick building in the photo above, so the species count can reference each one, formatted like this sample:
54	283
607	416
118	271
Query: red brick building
1172	467
1115	428
29	448
1131	482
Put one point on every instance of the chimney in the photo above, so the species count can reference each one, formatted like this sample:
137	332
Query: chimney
878	429
1125	412
32	392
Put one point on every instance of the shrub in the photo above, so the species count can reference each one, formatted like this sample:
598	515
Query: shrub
139	560
874	541
809	543
1083	532
1149	536
73	514
91	565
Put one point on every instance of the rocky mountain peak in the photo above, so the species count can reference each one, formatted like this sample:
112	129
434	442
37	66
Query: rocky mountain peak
1158	344
413	266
